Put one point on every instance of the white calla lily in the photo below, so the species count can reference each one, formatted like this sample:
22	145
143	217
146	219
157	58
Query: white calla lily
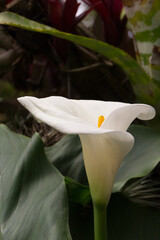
104	146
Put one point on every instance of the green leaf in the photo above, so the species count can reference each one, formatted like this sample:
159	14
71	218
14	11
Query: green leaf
78	193
126	221
33	197
33	201
66	155
142	159
144	87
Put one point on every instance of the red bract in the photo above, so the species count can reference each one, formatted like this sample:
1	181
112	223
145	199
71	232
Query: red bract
62	15
110	11
69	14
55	13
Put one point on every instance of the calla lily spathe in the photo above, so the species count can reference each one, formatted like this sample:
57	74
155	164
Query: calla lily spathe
104	147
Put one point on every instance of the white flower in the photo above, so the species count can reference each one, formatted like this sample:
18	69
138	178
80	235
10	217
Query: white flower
102	129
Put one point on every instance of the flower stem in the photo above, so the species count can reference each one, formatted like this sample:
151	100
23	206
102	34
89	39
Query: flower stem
100	222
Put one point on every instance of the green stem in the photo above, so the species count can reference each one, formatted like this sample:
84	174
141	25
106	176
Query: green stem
100	222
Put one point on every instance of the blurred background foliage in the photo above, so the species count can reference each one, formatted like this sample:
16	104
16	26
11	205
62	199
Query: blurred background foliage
41	65
32	63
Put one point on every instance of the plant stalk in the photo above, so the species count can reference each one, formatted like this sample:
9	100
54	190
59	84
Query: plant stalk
100	222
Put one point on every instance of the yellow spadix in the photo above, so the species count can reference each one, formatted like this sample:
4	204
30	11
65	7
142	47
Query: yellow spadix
100	120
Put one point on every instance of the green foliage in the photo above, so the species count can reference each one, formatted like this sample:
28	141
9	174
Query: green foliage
126	221
78	193
144	87
33	195
142	159
34	204
66	155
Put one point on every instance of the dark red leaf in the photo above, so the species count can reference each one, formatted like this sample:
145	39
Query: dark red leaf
110	11
100	7
116	8
107	3
69	14
55	12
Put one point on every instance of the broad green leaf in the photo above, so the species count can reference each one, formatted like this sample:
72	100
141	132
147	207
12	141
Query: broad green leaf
33	201
33	198
144	87
142	159
126	221
66	155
